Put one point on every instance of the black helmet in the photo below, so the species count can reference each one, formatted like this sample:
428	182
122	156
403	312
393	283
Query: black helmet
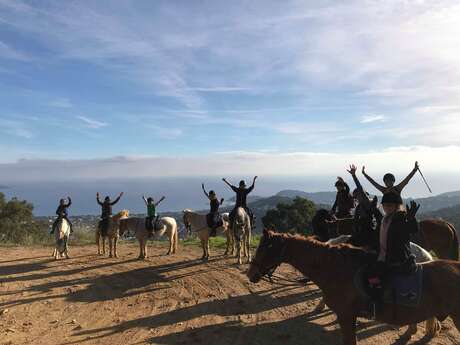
62	201
149	199
242	183
340	183
389	177
107	198
392	198
211	192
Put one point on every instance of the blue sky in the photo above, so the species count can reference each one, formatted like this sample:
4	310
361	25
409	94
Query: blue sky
216	87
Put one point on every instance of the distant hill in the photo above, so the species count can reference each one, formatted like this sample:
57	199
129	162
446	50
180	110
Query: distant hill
251	198
326	198
439	202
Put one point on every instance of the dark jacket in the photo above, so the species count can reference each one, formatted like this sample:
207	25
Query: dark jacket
398	247
107	207
61	211
343	204
241	195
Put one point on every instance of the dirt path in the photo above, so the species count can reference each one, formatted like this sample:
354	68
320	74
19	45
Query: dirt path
164	300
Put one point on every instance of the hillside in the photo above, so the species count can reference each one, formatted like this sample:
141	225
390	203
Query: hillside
317	197
440	201
450	214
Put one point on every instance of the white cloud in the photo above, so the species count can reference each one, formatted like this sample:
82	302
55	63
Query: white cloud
372	118
91	123
61	103
15	128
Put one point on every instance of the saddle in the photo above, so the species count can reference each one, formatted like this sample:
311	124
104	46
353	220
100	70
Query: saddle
404	289
214	220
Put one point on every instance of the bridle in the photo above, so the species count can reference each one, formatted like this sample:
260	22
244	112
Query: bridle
268	271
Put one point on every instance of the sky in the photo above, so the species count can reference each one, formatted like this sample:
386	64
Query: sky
135	89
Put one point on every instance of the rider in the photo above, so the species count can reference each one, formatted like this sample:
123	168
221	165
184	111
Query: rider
367	216
344	202
106	210
152	216
241	198
389	180
61	212
213	217
394	253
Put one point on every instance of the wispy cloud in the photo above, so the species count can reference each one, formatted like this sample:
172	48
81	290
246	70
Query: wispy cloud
92	123
220	89
7	52
15	128
373	118
61	103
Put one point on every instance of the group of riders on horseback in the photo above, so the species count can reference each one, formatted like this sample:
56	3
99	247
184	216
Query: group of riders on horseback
387	234
214	219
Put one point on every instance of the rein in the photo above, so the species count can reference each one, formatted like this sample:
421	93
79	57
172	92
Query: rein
270	270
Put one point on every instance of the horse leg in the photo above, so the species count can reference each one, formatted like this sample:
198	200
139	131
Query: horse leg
66	251
98	243
54	253
110	246
176	241
207	250
248	245
432	327
203	246
238	248
348	328
115	249
141	248
103	245
171	242
145	249
227	235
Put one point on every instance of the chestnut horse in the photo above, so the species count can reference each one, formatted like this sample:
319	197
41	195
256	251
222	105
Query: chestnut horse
333	268
435	235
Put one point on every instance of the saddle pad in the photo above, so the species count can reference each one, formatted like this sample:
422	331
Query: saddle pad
404	289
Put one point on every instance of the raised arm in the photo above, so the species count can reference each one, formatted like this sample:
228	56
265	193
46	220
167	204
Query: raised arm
204	190
404	182
97	199
145	200
69	202
230	185
352	172
117	199
371	180
253	184
158	202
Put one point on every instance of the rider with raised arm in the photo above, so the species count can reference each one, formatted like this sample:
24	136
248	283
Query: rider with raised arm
344	202
367	217
213	217
61	212
389	180
241	198
152	216
106	211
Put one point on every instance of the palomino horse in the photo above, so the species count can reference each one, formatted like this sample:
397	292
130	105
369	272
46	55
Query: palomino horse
137	224
435	235
242	233
61	235
421	256
196	222
112	234
333	268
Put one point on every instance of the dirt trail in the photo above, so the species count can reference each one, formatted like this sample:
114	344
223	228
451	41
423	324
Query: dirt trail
165	300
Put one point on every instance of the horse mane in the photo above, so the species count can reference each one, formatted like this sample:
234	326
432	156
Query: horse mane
123	214
344	251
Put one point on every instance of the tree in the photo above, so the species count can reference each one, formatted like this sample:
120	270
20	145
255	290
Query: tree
17	224
296	216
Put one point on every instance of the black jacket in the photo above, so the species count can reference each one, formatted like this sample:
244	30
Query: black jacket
398	247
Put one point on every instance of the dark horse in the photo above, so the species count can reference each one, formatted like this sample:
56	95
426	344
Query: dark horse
435	235
333	267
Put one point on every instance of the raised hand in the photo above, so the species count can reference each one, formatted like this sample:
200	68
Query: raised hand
416	166
255	177
97	194
412	209
121	194
363	170
352	170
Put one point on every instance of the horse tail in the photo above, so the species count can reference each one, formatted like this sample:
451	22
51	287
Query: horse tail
453	253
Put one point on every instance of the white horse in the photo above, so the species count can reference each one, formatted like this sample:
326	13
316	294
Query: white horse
421	255
242	233
137	224
61	236
198	223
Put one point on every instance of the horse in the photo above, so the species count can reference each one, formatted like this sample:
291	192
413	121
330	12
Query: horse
112	234
137	224
242	233
438	236
61	236
333	268
195	222
435	235
421	256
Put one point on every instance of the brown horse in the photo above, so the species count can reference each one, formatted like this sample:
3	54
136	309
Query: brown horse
333	267
438	236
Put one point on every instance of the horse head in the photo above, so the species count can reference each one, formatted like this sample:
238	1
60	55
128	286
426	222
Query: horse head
186	220
269	255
